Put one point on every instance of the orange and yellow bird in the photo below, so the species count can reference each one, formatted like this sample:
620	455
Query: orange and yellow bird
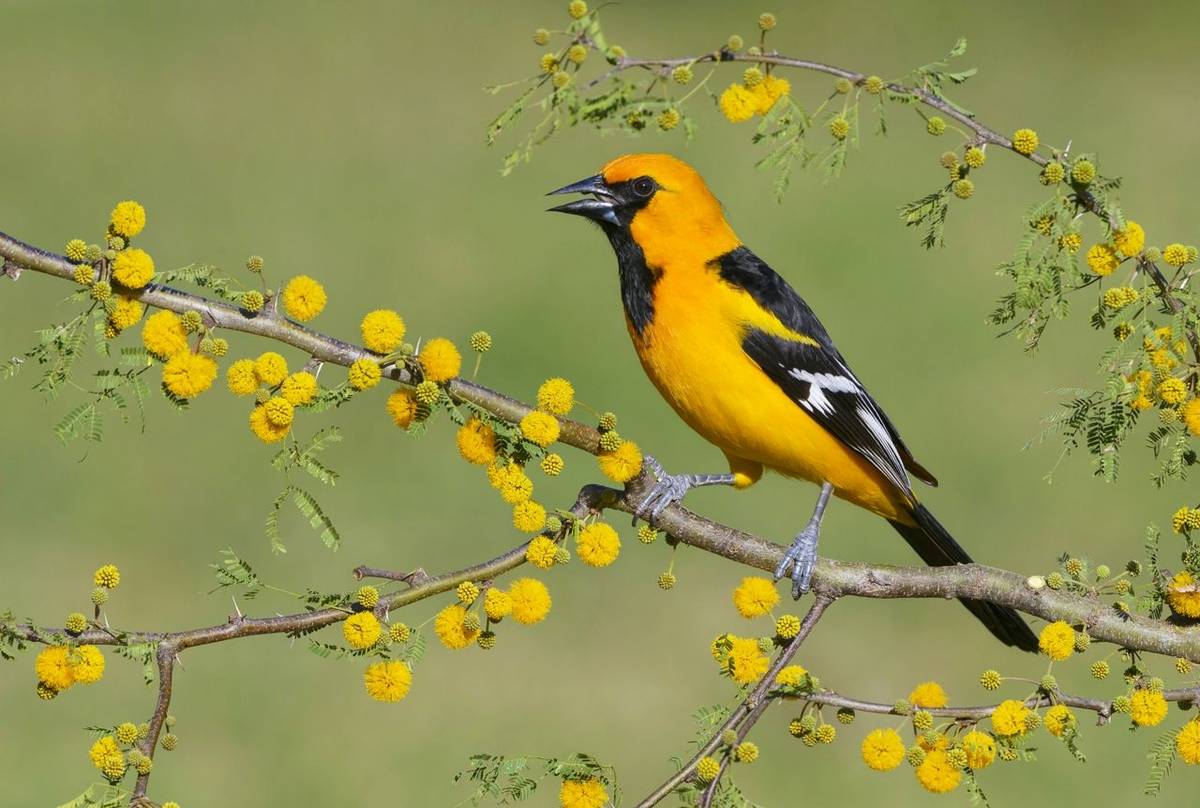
744	362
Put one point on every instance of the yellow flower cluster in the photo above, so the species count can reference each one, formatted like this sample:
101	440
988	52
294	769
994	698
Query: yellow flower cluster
187	375
108	758
127	219
882	749
1183	595
1058	720
741	658
598	544
755	596
303	298
476	441
556	396
1010	718
740	102
540	428
1187	742
382	331
163	334
362	630
1130	241
388	681
588	793
1147	708
1057	640
440	360
404	408
133	268
621	464
937	774
1102	259
928	695
58	667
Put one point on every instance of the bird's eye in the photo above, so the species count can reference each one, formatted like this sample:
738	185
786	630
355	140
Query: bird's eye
643	186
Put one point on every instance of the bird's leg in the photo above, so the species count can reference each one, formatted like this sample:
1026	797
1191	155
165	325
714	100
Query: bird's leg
802	555
671	488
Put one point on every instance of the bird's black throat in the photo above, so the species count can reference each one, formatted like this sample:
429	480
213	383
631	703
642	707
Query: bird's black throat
637	278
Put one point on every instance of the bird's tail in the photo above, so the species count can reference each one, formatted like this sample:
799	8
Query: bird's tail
937	548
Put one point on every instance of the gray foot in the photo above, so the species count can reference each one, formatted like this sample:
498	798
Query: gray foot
672	488
801	557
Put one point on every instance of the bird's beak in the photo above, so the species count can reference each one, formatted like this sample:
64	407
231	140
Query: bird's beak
601	206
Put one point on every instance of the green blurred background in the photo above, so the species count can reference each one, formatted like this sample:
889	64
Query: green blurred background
346	141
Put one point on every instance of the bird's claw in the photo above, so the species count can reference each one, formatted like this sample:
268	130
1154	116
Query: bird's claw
666	491
801	557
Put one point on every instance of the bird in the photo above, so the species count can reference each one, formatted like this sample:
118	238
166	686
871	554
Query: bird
744	361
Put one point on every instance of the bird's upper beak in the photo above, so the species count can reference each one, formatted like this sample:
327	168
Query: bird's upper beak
601	206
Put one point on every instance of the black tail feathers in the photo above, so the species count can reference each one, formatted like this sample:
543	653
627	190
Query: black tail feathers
937	548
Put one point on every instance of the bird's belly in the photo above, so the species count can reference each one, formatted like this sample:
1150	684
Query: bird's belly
726	398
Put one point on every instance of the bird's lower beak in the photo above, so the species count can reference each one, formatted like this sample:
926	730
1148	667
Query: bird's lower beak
600	207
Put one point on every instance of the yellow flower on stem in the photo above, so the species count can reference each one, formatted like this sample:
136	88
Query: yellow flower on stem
262	427
303	298
622	464
361	630
530	600
1057	640
364	374
598	545
87	664
187	375
1058	720
127	219
388	681
745	662
1009	718
299	388
450	627
270	368
1147	707
1130	241
540	428
882	749
402	405
163	334
1183	595
980	748
1187	742
755	597
440	360
928	695
588	793
737	103
476	442
382	331
556	396
53	667
133	268
937	775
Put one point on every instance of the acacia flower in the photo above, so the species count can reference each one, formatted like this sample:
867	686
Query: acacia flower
403	408
556	396
839	127
497	604
529	516
768	91
1025	141
737	103
588	793
937	774
367	596
126	311
476	442
552	464
440	360
262	427
270	368
745	662
1147	707
108	758
755	597
1130	241
1102	260
1172	390
107	576
299	388
362	630
163	334
791	676
1183	595
707	769
303	298
1187	742
1083	172
622	464
53	668
882	749
541	552
1175	254
382	331
512	482
187	375
364	374
1009	718
975	157
787	626
127	218
1057	640
133	268
540	428
1059	719
530	600
399	632
451	627
598	545
87	664
279	411
928	695
980	749
745	752
387	681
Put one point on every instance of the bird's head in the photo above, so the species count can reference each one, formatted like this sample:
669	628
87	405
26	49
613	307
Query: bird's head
657	200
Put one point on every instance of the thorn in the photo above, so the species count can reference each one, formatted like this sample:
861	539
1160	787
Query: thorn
235	607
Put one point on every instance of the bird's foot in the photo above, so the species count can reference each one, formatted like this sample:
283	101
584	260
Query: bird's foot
801	557
671	488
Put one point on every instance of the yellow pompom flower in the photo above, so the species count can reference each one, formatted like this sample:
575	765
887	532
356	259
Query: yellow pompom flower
133	268
126	312
108	757
1187	742
303	298
622	464
270	368
362	630
980	749
187	375
530	600
588	793
738	103
382	331
1057	640
107	576
928	695
540	428
552	464
839	128
364	374
1183	595
497	604
882	749
598	545
127	218
1102	259
476	442
745	661
1025	141
1172	390
556	396
163	334
529	516
387	681
541	552
768	91
707	769
1147	707
515	486
1130	241
1009	718
937	774
262	427
279	411
1175	254
241	378
790	676
1058	720
53	667
1191	416
299	388
402	405
450	627
745	752
755	597
440	360
87	664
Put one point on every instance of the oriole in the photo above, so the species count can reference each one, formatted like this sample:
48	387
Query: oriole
746	363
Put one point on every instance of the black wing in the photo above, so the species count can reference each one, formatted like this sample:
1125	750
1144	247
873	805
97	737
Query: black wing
816	377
